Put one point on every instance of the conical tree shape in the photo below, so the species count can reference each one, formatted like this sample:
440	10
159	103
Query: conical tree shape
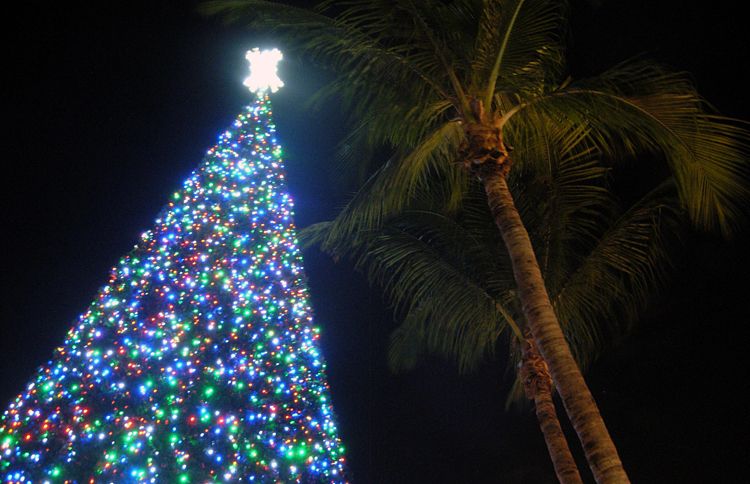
199	359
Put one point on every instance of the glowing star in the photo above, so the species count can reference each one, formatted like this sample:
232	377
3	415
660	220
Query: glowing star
263	73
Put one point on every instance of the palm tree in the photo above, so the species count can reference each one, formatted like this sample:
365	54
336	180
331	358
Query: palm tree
464	81
449	279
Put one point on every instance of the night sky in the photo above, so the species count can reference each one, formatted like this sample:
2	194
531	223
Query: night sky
110	107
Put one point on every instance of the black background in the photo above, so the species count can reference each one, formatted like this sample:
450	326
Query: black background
109	107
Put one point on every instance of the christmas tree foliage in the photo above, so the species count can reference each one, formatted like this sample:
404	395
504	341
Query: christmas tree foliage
198	361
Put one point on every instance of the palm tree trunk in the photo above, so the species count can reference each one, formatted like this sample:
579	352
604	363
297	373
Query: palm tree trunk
579	403
537	383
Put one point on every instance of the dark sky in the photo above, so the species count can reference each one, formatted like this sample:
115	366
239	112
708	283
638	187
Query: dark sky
109	107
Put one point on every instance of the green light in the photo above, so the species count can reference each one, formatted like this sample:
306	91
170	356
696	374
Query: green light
207	292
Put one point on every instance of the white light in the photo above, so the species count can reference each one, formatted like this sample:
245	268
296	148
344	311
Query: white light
263	70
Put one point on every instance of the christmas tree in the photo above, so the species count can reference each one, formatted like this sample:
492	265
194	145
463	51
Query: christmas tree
198	360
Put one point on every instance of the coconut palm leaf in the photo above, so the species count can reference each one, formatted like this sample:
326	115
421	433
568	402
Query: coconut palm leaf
382	195
518	45
640	107
426	272
606	292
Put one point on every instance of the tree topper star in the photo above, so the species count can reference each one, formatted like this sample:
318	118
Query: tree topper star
263	70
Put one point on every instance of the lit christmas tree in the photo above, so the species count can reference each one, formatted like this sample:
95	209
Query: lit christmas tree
198	361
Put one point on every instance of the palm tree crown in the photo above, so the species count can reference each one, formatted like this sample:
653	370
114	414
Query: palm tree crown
508	57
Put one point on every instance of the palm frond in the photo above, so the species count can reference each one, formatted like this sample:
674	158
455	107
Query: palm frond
437	292
395	185
442	46
639	107
519	43
407	342
568	190
604	294
313	235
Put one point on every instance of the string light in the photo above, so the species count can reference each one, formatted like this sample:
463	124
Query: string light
198	361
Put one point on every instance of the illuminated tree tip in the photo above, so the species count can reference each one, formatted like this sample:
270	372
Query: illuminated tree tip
263	75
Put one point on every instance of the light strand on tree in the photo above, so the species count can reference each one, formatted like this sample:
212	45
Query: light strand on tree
199	360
